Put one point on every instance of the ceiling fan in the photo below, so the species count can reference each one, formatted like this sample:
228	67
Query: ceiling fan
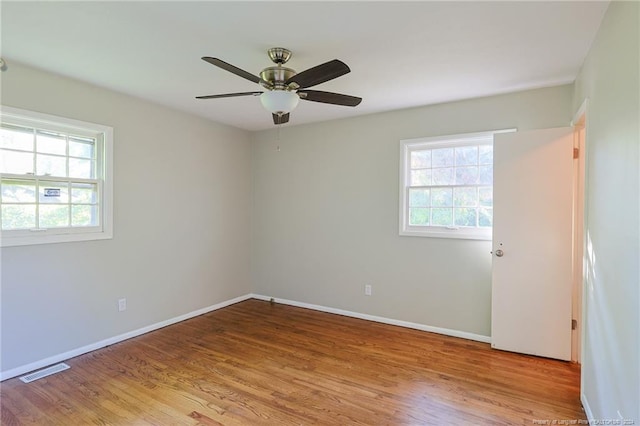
284	87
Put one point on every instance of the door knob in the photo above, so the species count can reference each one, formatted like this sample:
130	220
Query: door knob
499	253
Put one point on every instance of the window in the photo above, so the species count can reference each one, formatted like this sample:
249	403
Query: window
446	186
55	179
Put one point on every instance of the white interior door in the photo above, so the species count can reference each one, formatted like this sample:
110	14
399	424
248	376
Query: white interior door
532	242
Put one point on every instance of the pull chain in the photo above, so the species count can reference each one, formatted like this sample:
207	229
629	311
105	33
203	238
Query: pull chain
278	136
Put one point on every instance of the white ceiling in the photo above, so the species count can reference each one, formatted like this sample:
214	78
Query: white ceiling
401	54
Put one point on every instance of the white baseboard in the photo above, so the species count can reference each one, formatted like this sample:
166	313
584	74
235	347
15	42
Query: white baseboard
587	408
14	372
422	327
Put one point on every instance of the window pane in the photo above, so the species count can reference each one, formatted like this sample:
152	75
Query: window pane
419	198
53	192
485	219
486	196
51	143
486	154
79	147
443	176
420	177
418	216
53	215
18	191
420	159
442	157
465	197
21	216
442	217
466	175
16	138
467	156
465	217
81	168
16	162
486	175
441	197
84	215
84	193
51	166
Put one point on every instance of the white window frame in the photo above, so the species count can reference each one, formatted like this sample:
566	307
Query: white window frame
104	158
408	145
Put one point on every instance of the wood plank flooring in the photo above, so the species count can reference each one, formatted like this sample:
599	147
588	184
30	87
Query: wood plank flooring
254	363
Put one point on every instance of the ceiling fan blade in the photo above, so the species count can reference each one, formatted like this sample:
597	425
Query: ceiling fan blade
280	119
319	74
234	70
229	95
329	97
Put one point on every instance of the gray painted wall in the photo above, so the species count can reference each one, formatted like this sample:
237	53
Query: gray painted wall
326	213
610	80
181	226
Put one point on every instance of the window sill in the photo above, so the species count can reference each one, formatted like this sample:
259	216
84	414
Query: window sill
53	238
443	232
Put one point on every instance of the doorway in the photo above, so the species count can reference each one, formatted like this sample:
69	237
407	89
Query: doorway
579	139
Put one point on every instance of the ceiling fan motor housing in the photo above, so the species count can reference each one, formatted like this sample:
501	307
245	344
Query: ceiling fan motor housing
277	76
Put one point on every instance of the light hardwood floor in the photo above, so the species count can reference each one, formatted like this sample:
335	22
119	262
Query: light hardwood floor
254	363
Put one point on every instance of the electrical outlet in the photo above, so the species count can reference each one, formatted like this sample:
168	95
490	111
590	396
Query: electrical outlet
367	290
122	304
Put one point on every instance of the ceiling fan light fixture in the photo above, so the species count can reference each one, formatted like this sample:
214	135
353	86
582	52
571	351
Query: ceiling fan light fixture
279	101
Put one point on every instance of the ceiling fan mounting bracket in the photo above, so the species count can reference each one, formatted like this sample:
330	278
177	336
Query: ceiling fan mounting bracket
279	55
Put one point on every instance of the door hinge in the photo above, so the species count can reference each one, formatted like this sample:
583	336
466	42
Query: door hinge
574	324
576	153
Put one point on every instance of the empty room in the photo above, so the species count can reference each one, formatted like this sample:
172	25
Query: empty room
327	213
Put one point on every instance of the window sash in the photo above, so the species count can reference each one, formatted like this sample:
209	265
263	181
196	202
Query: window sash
42	182
38	152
